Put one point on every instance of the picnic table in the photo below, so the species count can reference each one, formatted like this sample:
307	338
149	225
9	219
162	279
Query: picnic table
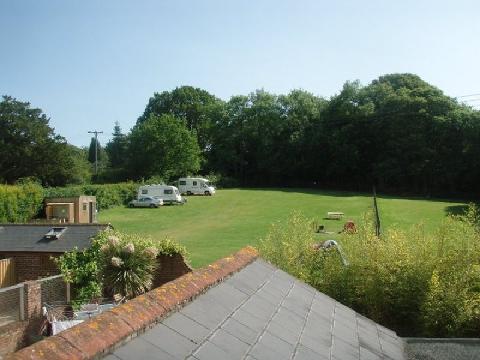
334	215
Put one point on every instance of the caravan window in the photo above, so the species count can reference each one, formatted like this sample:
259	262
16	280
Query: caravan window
182	182
194	183
144	191
168	191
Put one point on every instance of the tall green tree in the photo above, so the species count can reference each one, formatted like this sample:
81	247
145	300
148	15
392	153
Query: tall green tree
92	149
197	108
29	147
117	147
162	146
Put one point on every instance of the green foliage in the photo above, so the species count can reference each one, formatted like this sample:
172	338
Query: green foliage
29	147
196	108
163	146
115	263
127	263
417	284
81	268
169	247
107	195
117	148
20	203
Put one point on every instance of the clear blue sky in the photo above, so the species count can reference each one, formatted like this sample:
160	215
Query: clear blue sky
88	64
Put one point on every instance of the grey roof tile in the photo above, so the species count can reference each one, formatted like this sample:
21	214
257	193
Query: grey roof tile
319	344
210	351
169	341
262	352
141	349
276	344
366	354
263	313
186	327
305	353
240	331
249	320
229	343
283	332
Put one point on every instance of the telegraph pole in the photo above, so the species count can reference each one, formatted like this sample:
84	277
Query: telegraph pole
96	143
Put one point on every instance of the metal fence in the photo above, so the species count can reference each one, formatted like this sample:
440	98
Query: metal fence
13	298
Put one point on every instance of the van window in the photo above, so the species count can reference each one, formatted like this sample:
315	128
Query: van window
194	183
182	182
168	191
144	191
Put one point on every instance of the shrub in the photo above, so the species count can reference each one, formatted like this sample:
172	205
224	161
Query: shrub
127	263
418	285
20	203
115	263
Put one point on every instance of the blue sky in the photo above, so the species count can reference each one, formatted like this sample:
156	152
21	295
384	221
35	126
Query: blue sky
88	64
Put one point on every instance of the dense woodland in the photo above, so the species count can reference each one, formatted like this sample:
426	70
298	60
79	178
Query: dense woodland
398	133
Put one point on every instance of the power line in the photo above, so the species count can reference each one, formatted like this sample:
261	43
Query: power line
469	95
96	143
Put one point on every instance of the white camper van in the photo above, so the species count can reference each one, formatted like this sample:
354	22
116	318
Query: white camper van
192	186
169	194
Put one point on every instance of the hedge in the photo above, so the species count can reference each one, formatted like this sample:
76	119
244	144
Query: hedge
108	195
20	203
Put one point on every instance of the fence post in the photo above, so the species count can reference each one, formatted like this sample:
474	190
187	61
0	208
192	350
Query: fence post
22	302
68	291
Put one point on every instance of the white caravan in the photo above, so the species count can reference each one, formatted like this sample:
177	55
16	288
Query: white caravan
193	186
169	194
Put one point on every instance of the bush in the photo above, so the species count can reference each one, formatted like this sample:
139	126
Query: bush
20	203
416	284
127	263
115	263
108	195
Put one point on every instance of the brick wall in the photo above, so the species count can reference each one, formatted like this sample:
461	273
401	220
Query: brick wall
16	334
32	265
170	268
12	337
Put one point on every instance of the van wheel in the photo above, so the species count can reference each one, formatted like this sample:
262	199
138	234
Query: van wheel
130	205
207	193
152	206
189	193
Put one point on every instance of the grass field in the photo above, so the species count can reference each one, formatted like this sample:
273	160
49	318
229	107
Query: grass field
213	227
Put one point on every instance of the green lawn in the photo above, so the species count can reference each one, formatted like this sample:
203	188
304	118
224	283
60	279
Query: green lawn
213	227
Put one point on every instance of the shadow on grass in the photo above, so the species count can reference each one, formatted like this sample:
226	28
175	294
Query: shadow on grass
344	193
456	210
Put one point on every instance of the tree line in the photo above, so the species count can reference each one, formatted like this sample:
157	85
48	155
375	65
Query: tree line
398	133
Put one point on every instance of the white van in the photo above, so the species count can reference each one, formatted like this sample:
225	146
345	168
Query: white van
192	186
169	194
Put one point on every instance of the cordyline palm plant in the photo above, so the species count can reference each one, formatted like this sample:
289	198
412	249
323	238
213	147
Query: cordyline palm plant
127	264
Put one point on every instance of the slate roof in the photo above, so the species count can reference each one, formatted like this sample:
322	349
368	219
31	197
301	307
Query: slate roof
31	237
261	313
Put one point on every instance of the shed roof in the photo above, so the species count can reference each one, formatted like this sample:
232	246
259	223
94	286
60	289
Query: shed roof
31	237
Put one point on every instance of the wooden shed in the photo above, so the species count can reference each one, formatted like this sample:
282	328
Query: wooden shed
73	210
